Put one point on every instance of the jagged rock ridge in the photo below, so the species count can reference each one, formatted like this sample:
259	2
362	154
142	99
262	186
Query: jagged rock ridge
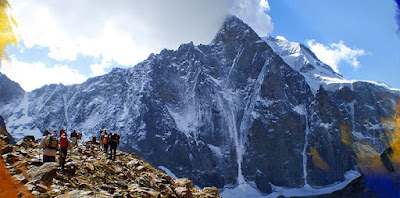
88	173
227	113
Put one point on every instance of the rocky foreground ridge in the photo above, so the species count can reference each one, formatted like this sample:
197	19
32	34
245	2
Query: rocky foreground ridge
88	173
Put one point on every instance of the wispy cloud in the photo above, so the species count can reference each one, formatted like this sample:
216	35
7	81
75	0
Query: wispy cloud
253	12
36	74
123	32
127	31
336	53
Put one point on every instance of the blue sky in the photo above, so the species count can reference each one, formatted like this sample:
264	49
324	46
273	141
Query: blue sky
369	25
70	41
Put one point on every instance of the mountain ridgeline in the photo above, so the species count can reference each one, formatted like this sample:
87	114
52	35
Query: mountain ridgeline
242	109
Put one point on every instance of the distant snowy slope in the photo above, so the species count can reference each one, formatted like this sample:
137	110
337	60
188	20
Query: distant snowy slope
301	59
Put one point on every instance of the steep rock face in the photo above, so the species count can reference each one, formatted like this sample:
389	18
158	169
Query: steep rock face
9	90
3	130
228	113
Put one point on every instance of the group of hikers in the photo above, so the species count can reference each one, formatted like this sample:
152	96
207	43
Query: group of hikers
51	143
109	140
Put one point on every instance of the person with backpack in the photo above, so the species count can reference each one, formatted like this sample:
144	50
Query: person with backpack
64	145
49	143
114	142
105	141
74	137
101	139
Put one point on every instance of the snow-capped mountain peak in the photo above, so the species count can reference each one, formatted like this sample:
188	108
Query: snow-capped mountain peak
303	60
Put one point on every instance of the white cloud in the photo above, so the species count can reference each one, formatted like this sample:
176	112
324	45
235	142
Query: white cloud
124	32
127	31
336	53
99	68
34	75
253	12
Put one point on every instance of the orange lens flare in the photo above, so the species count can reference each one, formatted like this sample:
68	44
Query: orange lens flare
318	160
8	27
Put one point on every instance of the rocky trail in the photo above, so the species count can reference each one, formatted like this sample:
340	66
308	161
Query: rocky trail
89	173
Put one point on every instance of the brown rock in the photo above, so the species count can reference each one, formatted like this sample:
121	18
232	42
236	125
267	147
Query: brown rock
184	182
20	166
70	168
6	149
35	193
78	193
21	178
5	139
109	189
89	166
183	192
133	163
45	173
213	191
85	186
11	158
29	138
140	168
41	188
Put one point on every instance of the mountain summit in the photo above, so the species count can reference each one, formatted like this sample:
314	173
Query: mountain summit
237	112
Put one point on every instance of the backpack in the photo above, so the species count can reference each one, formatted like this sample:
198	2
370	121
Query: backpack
114	138
63	142
51	142
105	139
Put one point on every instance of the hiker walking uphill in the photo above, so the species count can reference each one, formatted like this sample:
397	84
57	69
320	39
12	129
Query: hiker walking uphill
74	137
50	144
65	144
101	138
105	141
114	142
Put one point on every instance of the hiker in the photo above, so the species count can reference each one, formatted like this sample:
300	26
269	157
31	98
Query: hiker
105	141
61	132
79	135
54	133
114	142
50	144
64	145
101	139
74	137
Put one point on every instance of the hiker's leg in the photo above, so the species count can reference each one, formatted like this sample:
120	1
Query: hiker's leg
51	158
115	153
64	153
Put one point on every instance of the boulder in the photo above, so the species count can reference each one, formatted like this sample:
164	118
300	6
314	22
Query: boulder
6	149
184	182
212	191
45	173
70	168
183	192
